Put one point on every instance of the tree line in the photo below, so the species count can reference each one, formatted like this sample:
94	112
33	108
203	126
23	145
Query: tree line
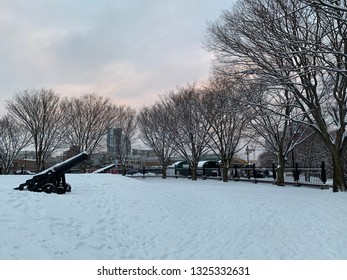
278	77
291	59
46	121
189	121
280	68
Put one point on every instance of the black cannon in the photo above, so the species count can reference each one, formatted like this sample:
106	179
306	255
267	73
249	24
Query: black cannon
52	180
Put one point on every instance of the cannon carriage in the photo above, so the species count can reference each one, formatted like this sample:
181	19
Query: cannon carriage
52	180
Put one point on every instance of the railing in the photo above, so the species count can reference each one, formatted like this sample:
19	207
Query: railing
299	176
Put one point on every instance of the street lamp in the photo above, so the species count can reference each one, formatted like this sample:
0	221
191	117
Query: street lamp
247	170
25	159
247	153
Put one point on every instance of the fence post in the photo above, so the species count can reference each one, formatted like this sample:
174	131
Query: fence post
254	174
203	172
296	174
323	173
236	174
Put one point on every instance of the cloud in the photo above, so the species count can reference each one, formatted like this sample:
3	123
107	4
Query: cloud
130	51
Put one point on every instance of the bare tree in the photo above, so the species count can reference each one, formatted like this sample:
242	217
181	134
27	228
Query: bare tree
152	122
299	47
273	114
227	122
87	119
38	111
13	138
127	127
266	159
312	151
187	127
333	8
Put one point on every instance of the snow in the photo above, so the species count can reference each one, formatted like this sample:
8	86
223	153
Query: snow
108	216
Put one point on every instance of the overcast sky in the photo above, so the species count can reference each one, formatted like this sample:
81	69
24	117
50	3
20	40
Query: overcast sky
128	50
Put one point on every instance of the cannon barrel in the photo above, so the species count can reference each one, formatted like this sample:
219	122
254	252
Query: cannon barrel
66	165
53	178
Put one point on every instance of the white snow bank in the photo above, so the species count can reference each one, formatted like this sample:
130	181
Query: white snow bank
113	217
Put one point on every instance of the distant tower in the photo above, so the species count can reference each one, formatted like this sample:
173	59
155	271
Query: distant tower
117	142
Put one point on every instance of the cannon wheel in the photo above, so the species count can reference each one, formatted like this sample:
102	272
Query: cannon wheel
67	187
48	188
35	187
60	189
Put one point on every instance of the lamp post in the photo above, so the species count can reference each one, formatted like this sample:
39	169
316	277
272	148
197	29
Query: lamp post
25	159
247	170
247	153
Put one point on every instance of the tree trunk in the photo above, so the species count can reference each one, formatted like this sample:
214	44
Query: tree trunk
194	173
37	163
124	171
83	167
339	183
225	173
164	172
280	170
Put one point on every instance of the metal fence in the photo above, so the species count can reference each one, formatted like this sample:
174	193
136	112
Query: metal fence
305	176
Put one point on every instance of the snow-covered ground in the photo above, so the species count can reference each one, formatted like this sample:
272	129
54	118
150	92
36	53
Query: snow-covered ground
113	217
